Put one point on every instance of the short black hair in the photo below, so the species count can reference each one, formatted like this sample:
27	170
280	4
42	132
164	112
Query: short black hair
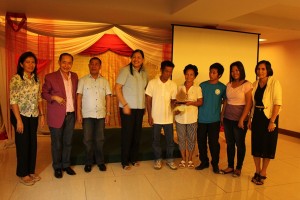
95	58
166	63
65	54
218	67
241	69
268	67
192	67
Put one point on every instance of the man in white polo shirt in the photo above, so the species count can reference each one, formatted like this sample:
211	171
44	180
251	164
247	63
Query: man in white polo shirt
93	111
160	96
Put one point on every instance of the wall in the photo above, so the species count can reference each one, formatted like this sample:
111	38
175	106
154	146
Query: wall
285	60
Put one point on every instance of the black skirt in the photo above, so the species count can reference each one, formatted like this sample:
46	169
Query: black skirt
263	142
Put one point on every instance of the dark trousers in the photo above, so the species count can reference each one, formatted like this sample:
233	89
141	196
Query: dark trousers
209	131
61	142
131	129
235	136
26	145
93	139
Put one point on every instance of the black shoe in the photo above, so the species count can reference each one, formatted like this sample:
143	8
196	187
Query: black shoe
88	168
102	167
58	173
216	169
202	166
69	171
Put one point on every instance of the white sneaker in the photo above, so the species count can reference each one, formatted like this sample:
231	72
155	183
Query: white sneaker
157	164
172	165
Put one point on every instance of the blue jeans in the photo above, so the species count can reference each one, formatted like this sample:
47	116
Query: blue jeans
169	135
61	142
93	139
235	136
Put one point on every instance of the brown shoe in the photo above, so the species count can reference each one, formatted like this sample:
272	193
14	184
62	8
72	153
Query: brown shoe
228	170
237	173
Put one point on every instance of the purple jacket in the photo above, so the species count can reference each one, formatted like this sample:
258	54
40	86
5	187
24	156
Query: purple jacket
54	85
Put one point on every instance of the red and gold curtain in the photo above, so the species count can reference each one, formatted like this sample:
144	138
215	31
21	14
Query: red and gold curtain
49	38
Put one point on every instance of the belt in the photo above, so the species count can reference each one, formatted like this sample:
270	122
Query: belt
260	108
69	113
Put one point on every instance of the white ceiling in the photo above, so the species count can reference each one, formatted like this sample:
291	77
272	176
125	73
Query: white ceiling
275	20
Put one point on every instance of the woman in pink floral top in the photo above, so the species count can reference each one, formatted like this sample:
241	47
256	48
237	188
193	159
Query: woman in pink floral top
26	105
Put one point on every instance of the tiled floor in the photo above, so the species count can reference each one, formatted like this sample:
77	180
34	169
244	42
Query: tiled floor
144	182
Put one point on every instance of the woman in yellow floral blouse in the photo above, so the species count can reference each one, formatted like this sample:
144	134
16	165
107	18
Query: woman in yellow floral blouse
26	105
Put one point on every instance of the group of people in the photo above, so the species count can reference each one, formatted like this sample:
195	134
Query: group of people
199	111
88	97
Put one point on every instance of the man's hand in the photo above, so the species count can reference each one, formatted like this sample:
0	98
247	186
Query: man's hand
150	121
127	110
59	100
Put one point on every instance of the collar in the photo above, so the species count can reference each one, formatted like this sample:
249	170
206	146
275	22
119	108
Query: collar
25	76
69	75
99	76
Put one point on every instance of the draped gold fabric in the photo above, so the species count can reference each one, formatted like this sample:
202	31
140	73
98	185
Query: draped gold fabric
74	37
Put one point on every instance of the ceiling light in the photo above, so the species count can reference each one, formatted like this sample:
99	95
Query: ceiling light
262	39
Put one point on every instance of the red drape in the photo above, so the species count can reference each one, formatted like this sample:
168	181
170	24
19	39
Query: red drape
108	42
167	52
45	55
15	45
17	41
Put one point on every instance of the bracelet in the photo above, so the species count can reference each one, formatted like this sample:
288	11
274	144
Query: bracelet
125	105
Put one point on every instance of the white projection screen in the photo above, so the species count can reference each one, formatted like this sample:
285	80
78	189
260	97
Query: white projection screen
203	47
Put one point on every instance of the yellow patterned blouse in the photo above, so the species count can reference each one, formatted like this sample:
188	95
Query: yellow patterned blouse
26	93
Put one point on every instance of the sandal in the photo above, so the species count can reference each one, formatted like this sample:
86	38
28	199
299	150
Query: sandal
259	179
26	181
191	164
126	167
181	164
263	177
237	173
35	177
255	178
136	164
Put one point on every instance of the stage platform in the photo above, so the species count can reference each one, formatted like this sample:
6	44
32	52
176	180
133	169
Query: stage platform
112	146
